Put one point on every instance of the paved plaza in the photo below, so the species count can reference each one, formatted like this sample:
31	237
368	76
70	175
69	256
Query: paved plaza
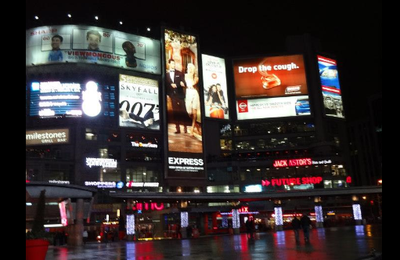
333	243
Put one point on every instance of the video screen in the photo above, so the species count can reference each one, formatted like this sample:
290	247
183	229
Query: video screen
275	76
56	99
215	87
331	93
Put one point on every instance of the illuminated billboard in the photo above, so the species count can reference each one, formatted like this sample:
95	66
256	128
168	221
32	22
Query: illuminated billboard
183	103
138	102
56	99
331	93
90	44
275	76
51	136
215	87
262	108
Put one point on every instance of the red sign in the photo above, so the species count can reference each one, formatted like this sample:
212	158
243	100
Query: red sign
243	209
243	106
292	181
292	162
148	206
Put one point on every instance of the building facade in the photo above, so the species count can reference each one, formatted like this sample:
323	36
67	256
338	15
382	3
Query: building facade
104	116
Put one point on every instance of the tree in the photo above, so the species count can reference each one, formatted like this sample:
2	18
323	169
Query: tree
38	230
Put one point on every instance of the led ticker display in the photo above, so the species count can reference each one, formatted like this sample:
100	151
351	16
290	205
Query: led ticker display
331	93
275	76
56	99
272	107
292	181
138	102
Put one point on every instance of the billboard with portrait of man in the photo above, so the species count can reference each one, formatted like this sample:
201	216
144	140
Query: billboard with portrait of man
92	44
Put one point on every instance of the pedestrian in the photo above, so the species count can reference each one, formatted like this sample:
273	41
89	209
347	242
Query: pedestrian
250	227
296	225
305	224
85	236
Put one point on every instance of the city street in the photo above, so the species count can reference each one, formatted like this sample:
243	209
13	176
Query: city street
333	243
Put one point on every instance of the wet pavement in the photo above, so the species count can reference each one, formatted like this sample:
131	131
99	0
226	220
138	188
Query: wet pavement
336	243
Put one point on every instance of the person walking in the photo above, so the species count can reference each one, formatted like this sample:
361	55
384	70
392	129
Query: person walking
85	236
305	224
250	228
296	225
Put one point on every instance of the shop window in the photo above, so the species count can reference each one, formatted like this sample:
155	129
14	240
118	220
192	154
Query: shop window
226	145
55	175
108	174
90	135
328	184
141	174
339	184
114	137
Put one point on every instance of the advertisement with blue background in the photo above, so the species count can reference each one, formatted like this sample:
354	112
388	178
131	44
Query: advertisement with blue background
332	96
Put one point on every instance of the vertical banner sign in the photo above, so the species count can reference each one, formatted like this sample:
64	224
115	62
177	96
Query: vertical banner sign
215	87
184	124
331	92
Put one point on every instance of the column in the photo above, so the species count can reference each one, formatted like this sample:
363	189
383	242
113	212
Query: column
357	213
130	227
184	223
319	216
75	230
278	218
235	221
357	210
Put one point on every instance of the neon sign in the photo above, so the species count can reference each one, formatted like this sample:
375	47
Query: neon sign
148	206
292	181
63	213
103	162
292	162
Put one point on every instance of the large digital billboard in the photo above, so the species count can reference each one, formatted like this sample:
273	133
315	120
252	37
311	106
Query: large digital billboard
183	103
215	87
138	102
56	99
261	108
90	44
274	76
331	93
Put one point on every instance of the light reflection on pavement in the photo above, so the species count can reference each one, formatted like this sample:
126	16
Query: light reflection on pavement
344	243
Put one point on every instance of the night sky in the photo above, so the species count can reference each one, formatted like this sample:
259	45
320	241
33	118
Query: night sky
350	31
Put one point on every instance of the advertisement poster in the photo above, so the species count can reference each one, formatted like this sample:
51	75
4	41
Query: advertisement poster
331	93
275	76
272	107
138	102
90	44
215	87
55	99
184	124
